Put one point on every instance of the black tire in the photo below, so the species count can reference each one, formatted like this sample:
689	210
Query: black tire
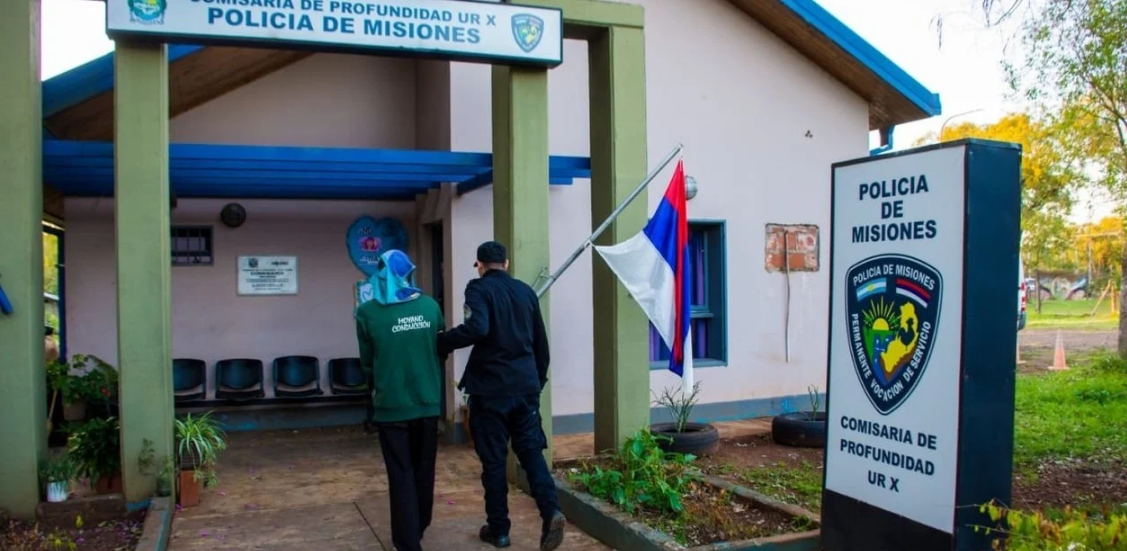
799	430
699	439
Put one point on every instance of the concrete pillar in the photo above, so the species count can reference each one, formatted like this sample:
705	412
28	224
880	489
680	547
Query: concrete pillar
23	409
141	211
618	165
520	184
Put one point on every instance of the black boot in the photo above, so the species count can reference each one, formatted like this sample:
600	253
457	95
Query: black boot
489	537
551	536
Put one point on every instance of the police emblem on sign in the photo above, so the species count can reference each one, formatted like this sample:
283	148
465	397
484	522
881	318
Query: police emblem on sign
892	310
147	12
527	31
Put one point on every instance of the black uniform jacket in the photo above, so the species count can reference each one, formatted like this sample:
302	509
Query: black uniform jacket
506	329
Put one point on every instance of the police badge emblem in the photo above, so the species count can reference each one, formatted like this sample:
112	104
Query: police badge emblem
527	31
892	310
147	12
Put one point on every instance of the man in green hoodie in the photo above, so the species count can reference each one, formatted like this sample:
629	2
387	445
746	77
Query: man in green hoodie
397	331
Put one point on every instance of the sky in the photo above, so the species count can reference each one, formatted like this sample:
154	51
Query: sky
965	69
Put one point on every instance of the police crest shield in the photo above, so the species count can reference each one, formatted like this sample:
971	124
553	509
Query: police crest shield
527	31
892	308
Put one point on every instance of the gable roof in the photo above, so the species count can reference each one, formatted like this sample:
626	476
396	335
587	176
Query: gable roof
77	103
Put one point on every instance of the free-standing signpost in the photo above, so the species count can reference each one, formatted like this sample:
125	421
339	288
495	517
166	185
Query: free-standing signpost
922	346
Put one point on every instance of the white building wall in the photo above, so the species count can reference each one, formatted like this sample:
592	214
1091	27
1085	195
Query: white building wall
761	125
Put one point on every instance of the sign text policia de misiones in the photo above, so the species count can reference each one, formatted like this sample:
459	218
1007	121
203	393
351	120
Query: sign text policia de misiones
471	31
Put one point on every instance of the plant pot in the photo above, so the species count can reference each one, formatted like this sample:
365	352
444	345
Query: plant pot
164	486
108	484
75	411
57	491
466	424
699	439
801	429
189	489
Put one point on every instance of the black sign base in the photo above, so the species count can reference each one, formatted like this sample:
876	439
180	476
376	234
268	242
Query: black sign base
842	516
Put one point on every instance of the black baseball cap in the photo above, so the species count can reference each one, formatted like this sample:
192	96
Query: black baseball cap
491	252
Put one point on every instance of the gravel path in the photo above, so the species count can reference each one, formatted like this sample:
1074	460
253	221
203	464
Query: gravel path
1073	340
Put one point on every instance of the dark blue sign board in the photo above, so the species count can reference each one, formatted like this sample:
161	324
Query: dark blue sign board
922	346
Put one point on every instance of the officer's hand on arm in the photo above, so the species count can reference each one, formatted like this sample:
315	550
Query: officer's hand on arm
474	328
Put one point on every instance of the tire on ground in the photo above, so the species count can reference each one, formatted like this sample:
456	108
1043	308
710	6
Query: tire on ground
799	430
698	438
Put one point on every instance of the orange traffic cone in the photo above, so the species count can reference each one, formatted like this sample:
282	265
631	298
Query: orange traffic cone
1059	363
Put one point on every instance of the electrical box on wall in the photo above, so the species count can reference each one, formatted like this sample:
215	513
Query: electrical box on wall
792	247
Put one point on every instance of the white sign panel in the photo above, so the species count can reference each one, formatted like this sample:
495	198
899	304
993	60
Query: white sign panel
896	315
267	275
445	28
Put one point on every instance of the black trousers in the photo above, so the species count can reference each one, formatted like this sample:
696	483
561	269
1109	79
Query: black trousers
493	421
409	450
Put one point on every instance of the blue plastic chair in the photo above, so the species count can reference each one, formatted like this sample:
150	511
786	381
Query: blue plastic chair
189	379
297	377
239	379
346	377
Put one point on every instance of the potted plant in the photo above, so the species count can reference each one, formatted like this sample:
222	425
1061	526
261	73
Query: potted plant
683	436
55	475
198	443
95	448
147	460
84	380
802	429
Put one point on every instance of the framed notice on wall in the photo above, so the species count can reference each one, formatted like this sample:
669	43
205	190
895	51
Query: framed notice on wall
267	275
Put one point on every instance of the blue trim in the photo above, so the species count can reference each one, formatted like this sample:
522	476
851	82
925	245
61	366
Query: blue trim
86	169
90	79
844	37
885	142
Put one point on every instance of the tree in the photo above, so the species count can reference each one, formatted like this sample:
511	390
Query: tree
1075	66
1101	243
50	264
1049	175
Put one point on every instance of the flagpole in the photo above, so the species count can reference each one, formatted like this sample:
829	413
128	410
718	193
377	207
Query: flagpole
606	223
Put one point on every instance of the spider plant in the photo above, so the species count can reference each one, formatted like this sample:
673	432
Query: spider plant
198	443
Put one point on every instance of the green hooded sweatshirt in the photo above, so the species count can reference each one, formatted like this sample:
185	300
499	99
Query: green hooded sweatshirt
397	331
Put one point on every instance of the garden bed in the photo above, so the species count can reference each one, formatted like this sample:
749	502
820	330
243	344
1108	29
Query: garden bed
716	514
102	536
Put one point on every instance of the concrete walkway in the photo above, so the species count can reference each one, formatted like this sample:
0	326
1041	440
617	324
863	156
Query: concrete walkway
326	490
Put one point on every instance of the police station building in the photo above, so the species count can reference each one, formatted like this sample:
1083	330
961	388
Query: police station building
290	169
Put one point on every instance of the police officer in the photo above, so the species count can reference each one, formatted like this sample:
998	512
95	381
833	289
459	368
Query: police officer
506	372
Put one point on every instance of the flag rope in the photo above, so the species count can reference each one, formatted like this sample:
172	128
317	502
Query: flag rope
606	223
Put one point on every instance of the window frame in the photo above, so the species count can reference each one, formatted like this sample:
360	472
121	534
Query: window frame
716	294
210	243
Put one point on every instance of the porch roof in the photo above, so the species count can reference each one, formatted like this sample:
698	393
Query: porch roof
86	169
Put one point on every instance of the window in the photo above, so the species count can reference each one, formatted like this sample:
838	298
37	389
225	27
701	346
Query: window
191	246
708	300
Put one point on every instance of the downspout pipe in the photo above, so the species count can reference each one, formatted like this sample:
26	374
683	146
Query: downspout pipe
885	141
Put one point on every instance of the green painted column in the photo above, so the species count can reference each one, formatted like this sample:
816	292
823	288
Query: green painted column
618	165
23	409
141	208
520	185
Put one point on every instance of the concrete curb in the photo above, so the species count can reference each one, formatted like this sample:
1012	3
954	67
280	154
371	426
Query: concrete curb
158	526
618	530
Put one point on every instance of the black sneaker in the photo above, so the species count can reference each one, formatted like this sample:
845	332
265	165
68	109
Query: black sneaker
552	535
489	537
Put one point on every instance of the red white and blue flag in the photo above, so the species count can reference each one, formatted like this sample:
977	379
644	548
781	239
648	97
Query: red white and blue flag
654	267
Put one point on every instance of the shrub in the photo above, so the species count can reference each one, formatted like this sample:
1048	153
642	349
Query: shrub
1107	361
641	475
1073	531
95	448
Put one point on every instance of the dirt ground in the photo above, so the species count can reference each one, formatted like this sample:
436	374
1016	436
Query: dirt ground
108	536
1074	341
1056	485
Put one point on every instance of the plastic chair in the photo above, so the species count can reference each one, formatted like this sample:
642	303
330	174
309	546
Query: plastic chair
189	379
297	377
239	379
346	376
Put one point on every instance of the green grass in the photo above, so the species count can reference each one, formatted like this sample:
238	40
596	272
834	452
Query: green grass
1072	314
801	486
1080	413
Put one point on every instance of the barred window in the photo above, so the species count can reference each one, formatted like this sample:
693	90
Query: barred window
191	246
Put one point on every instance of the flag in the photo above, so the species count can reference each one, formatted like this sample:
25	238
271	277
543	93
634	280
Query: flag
654	267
